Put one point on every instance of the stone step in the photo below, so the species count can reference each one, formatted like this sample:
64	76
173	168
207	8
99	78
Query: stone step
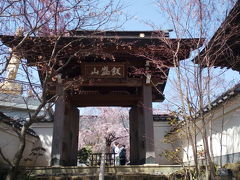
106	177
130	172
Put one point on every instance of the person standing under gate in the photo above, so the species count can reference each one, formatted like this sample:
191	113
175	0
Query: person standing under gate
116	151
122	155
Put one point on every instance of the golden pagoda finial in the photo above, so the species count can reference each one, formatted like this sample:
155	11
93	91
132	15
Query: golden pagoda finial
8	86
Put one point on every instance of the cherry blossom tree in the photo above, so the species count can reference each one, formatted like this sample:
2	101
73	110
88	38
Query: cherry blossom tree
101	131
25	19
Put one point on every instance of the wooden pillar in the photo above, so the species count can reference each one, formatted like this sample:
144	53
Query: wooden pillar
148	125
74	135
141	130
134	139
65	131
133	121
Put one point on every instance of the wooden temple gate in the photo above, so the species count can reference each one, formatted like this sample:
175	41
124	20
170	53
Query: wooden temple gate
127	69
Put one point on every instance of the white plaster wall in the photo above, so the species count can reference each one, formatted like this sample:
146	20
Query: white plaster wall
225	122
9	142
45	133
161	128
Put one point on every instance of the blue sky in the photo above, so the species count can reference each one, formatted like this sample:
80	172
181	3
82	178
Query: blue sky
142	13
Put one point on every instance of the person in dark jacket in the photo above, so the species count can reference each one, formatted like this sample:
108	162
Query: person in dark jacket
122	155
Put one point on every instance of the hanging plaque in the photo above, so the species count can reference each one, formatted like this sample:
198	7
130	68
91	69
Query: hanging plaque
104	70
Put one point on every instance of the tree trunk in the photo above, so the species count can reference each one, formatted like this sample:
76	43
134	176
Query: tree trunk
108	148
209	161
189	132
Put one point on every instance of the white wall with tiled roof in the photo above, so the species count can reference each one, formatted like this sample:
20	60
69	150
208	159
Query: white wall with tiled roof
14	106
224	125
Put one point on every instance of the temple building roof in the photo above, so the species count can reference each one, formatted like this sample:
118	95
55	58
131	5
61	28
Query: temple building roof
226	96
223	48
118	45
131	51
163	117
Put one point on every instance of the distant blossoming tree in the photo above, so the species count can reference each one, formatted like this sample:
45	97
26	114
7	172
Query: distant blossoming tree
101	131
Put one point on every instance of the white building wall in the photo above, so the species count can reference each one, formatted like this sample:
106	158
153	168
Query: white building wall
45	133
161	128
9	143
224	125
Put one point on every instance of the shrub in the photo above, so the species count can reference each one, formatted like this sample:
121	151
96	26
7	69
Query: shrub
84	154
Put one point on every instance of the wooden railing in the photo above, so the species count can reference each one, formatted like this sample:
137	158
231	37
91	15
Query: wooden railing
95	159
